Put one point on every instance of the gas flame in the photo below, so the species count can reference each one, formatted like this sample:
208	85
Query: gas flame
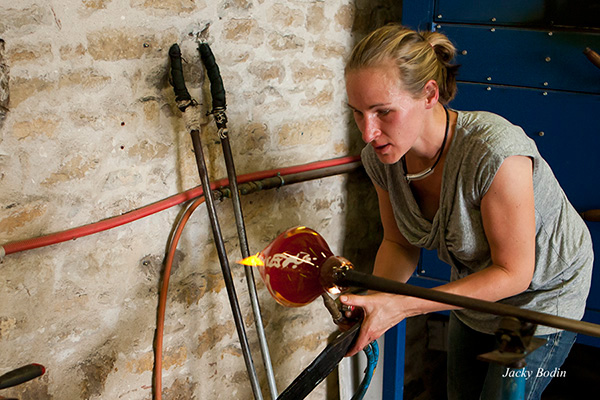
252	261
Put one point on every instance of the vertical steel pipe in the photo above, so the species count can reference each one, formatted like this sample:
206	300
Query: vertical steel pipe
239	219
219	105
220	245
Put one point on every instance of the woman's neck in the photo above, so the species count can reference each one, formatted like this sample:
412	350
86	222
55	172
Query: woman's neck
428	146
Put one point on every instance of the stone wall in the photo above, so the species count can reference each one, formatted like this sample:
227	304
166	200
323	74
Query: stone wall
89	130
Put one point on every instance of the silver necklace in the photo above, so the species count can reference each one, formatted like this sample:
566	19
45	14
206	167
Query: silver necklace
425	173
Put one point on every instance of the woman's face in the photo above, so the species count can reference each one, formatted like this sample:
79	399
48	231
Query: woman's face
388	117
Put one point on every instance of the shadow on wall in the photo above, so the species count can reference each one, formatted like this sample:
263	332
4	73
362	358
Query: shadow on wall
363	227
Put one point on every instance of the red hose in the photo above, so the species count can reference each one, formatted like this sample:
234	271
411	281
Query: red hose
109	223
162	299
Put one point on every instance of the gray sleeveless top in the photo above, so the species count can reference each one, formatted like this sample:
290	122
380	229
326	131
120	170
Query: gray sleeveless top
481	142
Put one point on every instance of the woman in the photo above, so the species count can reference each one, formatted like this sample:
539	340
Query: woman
472	186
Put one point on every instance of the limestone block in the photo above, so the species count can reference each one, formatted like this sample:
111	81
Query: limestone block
17	216
32	127
303	73
87	78
285	42
314	131
267	71
96	4
73	167
113	44
25	20
170	6
319	99
23	53
71	52
243	30
316	22
281	16
22	89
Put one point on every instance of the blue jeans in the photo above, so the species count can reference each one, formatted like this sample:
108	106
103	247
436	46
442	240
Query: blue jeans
469	378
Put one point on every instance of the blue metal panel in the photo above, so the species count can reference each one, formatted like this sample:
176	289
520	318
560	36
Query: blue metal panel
431	267
527	58
564	126
417	14
530	13
393	362
494	12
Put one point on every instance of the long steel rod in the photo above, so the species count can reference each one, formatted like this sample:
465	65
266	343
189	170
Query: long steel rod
220	245
367	281
241	228
219	104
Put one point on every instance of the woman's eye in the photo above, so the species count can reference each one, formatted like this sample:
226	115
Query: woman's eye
383	112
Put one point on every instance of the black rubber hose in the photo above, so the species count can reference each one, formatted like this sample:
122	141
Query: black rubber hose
217	90
177	80
21	375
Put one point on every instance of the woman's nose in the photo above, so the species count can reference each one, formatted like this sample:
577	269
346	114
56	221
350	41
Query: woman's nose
370	130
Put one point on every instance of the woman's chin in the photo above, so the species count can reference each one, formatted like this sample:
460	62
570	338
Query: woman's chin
388	158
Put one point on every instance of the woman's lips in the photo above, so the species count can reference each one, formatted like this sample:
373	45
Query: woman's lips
381	148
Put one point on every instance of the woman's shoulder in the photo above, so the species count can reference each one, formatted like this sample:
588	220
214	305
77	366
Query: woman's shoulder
489	131
483	122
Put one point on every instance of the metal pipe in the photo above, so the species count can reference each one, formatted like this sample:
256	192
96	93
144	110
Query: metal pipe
288	179
239	219
359	279
233	301
219	106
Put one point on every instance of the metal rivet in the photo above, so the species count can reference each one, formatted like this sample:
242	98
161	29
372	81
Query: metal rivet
493	30
545	83
489	88
548	59
489	78
438	26
464	52
493	19
545	93
541	133
550	33
440	16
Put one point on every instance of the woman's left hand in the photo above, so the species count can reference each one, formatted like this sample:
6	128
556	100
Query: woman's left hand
381	311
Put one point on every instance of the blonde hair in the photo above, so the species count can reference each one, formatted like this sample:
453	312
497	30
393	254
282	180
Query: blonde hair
419	57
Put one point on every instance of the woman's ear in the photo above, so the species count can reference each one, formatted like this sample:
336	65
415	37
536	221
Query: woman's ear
432	93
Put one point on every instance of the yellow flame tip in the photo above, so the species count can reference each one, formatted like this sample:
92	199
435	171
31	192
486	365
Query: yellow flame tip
252	261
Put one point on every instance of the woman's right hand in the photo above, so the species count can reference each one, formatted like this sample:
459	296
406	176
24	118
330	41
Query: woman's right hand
381	311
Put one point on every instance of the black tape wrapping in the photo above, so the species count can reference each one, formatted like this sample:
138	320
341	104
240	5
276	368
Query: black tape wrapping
177	80
217	90
21	375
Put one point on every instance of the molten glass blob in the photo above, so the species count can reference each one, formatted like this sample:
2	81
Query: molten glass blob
291	266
